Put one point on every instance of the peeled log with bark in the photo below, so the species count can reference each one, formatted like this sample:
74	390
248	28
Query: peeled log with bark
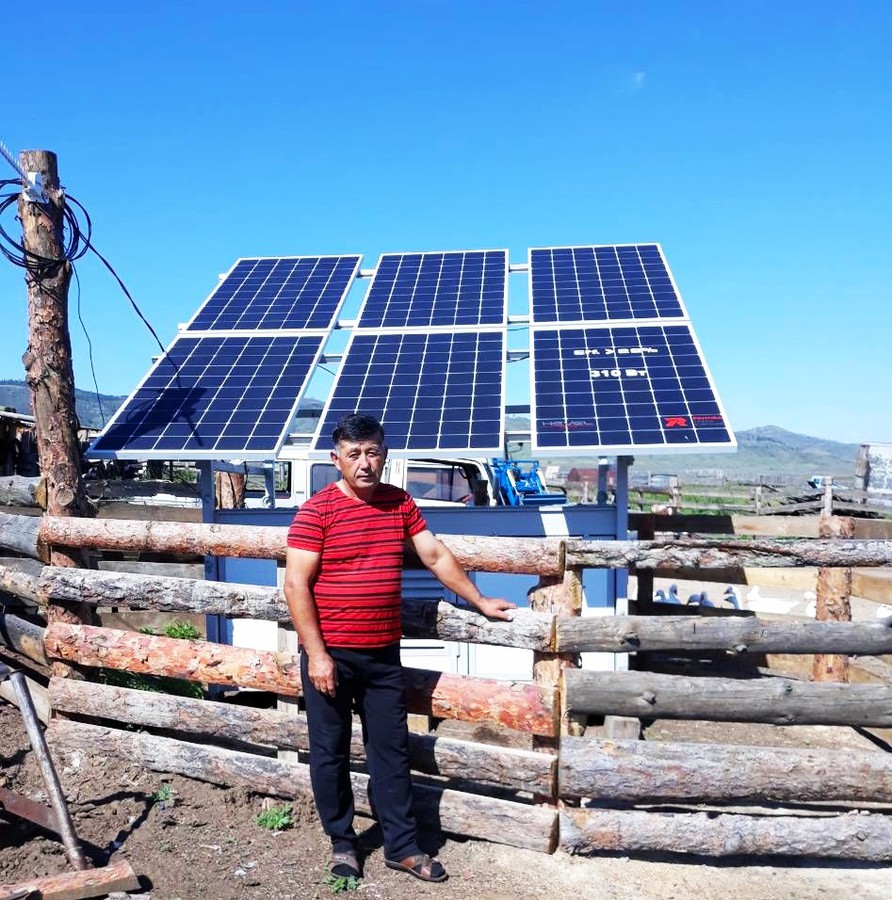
473	815
623	634
712	554
482	764
778	701
849	836
23	636
421	618
479	554
20	584
200	661
162	593
116	876
22	535
657	771
521	706
16	490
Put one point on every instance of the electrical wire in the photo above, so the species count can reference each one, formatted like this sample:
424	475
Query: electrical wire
76	239
80	319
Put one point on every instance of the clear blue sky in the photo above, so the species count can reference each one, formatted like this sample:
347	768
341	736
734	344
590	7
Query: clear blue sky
751	139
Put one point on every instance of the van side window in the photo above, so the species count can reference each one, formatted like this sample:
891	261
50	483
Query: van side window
445	483
321	476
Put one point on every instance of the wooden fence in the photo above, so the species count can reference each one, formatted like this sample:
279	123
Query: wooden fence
562	789
756	499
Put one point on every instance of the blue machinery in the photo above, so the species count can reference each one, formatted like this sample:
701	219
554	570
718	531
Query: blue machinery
519	484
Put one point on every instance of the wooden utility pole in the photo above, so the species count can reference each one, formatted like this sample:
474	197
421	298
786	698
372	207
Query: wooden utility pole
47	361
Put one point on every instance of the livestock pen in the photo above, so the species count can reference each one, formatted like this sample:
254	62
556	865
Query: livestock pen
581	792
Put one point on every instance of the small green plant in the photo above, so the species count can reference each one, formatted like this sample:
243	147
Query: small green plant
184	630
165	796
340	884
276	818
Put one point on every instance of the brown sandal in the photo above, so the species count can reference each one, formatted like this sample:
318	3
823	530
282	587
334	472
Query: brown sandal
421	866
345	865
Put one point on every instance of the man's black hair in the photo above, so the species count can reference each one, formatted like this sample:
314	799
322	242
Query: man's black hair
358	427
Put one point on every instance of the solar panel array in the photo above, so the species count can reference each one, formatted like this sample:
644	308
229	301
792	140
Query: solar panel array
616	365
609	283
272	294
428	354
214	397
623	387
437	290
432	391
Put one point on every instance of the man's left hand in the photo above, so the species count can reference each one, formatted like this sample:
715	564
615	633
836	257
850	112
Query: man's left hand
496	608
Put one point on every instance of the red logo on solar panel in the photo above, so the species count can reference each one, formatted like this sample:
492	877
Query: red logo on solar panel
675	422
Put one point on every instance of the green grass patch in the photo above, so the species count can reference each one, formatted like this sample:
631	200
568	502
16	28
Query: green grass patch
276	818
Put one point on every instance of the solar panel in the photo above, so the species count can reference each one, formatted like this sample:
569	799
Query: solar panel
433	391
602	283
619	388
437	290
213	397
278	293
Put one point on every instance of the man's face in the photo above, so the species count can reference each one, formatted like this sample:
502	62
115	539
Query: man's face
361	464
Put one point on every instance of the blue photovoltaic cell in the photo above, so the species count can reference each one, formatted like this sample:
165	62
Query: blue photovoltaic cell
432	391
437	290
622	388
607	283
214	397
286	292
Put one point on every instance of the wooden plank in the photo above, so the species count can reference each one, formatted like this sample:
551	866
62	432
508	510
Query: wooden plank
778	701
856	835
116	876
872	584
473	815
632	771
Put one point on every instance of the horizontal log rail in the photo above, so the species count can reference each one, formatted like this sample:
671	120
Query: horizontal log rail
18	583
424	618
524	707
474	815
531	556
22	636
680	553
778	701
855	835
661	771
486	765
739	635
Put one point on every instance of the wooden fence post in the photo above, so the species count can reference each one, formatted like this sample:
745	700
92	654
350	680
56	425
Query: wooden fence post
834	590
560	595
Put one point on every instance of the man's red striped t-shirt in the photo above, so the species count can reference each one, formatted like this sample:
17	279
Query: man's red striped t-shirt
357	587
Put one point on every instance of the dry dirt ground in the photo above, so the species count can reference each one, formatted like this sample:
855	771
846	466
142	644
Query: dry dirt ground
203	843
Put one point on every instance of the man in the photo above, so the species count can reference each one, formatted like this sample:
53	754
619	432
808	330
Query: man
342	584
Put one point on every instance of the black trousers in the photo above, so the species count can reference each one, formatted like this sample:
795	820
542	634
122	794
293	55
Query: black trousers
373	681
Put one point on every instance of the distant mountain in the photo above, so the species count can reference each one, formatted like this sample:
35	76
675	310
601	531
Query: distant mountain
767	452
93	410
